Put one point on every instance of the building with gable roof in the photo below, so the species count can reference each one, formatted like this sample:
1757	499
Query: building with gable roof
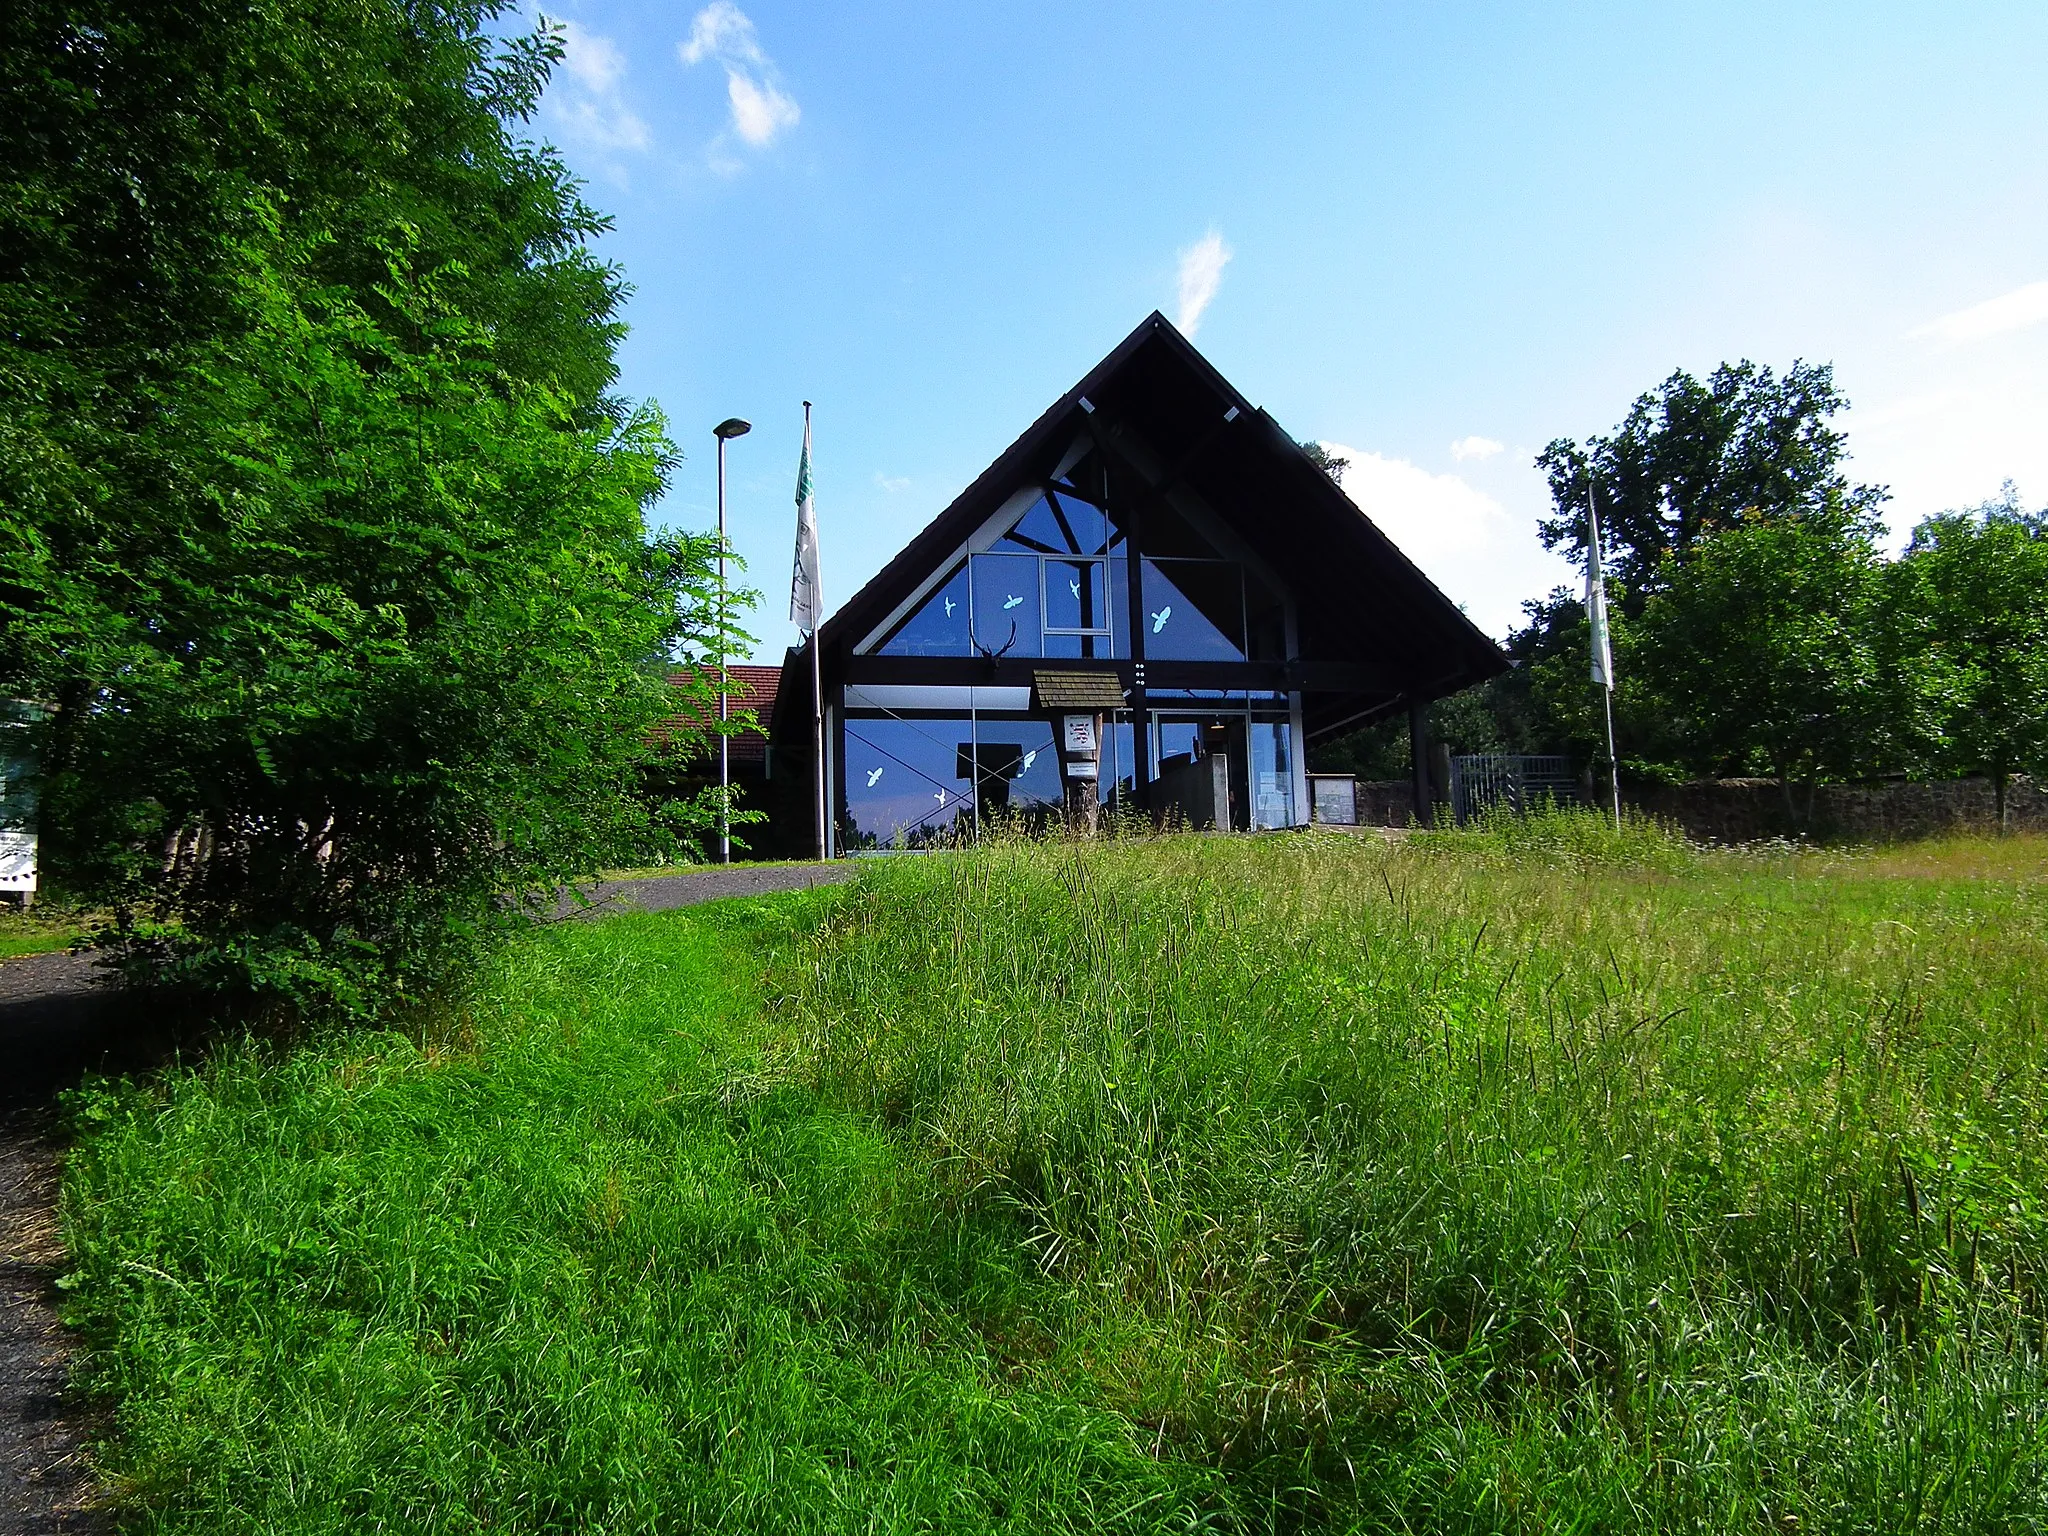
1156	547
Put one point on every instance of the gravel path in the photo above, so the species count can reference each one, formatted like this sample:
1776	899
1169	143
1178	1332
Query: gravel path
56	1024
662	893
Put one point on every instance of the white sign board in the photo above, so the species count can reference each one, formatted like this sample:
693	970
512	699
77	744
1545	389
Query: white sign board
1081	768
1079	734
17	861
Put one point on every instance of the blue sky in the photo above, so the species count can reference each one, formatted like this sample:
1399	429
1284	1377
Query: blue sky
1435	235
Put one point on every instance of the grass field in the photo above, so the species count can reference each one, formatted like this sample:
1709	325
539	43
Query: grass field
38	931
1528	1180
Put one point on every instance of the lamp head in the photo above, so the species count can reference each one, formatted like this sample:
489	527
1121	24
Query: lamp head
732	426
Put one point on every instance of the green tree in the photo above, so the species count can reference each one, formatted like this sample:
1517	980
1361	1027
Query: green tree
319	526
1977	584
1331	464
1761	649
1692	459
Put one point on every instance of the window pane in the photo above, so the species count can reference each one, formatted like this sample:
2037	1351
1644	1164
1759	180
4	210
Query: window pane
938	627
1057	525
1272	774
905	784
1194	610
1086	528
1074	596
1006	605
1174	743
1119	763
1265	619
1020	770
1068	647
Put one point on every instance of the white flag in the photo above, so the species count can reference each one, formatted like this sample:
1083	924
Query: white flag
1596	595
804	597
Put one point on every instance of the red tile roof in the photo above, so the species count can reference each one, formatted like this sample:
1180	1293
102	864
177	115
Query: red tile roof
752	688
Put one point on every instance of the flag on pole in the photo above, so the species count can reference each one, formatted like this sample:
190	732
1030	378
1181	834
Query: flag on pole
1596	596
804	601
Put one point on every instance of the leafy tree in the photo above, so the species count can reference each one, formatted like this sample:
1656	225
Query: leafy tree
1331	464
319	526
1692	459
1761	648
1977	585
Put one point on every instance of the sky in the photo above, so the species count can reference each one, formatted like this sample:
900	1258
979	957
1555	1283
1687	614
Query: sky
1434	237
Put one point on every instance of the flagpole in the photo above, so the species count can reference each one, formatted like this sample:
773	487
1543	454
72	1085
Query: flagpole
1603	659
824	848
1613	767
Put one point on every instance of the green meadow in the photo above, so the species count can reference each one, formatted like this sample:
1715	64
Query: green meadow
1532	1179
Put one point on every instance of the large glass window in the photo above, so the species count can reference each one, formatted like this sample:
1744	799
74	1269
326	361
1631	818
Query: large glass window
1006	605
1020	769
1258	750
938	627
1194	610
906	781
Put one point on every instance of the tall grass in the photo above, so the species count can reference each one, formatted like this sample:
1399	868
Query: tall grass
1250	1185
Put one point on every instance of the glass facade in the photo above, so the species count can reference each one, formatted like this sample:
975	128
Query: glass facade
1056	583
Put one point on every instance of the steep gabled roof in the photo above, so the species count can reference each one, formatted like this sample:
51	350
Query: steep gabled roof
1154	400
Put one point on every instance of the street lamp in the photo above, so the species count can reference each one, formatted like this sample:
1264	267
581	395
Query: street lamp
731	427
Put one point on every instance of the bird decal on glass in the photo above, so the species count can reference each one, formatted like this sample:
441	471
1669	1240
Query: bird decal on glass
1159	619
874	777
950	606
1075	588
1013	602
1029	758
941	798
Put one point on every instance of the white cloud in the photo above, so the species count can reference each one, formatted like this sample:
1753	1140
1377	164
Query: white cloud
585	102
892	483
1475	448
592	61
722	31
2013	311
1429	516
1483	557
1201	274
761	110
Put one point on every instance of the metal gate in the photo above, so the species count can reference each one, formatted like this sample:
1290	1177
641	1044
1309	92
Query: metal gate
1499	778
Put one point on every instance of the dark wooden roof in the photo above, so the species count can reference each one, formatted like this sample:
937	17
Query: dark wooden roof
1155	395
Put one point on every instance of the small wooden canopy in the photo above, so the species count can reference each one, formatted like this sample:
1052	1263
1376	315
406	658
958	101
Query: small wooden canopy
1076	689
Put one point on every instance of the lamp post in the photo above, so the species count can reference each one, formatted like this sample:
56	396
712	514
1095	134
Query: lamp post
729	428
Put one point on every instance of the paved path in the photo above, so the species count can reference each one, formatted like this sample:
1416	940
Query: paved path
58	1023
661	893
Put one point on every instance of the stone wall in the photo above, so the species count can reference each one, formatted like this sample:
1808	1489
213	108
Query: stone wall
1750	810
1747	810
1385	802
